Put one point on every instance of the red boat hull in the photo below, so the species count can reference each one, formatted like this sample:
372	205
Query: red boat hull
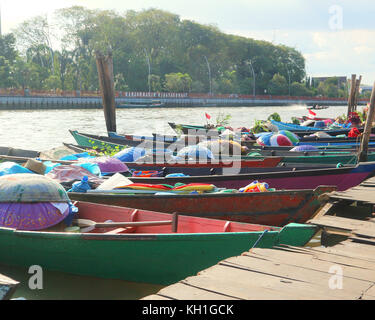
266	208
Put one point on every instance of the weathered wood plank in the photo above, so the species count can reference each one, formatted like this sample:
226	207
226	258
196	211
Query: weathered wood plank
181	291
294	273
320	262
254	285
357	227
348	252
155	297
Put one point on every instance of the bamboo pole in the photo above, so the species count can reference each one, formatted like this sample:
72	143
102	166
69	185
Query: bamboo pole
356	96
362	156
105	72
352	91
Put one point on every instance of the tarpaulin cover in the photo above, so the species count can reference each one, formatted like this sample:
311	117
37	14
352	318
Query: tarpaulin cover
290	135
304	148
31	188
110	164
32	216
274	140
222	146
130	154
195	152
68	173
9	167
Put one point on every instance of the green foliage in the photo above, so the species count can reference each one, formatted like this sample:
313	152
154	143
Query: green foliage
300	89
178	82
259	127
295	120
223	120
278	85
175	48
104	149
274	116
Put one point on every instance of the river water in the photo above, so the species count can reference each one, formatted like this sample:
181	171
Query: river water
44	129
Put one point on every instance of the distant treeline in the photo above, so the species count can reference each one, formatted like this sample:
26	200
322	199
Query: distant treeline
152	50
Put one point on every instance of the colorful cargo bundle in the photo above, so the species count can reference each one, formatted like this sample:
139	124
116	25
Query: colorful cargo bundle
32	202
256	186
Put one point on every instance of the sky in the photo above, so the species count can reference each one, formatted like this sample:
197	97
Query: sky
337	38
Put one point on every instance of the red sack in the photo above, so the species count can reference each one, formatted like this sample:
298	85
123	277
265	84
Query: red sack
354	133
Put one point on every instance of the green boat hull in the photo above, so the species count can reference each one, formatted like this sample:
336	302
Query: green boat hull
149	258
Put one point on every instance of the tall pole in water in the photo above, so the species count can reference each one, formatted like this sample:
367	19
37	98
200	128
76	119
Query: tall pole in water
107	86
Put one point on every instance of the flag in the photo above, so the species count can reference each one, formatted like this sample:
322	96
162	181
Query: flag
208	116
312	113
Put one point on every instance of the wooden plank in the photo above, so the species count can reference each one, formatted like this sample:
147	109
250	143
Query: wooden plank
347	252
250	285
370	292
155	297
358	227
181	291
320	262
322	211
294	273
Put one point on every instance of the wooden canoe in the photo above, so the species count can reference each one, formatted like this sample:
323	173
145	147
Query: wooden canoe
344	178
271	208
140	253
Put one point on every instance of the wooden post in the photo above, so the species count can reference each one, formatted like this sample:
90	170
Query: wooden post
174	222
367	130
352	92
105	71
356	96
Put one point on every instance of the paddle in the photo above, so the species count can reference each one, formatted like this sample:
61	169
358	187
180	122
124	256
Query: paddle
90	225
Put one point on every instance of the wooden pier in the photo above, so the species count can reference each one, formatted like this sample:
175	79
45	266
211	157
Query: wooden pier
344	271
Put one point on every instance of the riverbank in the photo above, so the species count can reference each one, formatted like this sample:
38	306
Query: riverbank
86	102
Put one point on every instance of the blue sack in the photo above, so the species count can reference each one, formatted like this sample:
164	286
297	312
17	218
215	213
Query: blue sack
80	186
9	167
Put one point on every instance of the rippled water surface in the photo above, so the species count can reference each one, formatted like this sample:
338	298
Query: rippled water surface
44	129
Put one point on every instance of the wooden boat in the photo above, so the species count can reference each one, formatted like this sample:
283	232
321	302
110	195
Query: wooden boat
297	127
190	129
271	208
344	178
147	104
316	107
323	157
14	152
7	287
140	245
91	140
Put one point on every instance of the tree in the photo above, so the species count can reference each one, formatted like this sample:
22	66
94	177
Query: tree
299	89
177	82
278	85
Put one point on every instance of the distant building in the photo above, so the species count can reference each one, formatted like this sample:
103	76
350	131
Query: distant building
341	81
